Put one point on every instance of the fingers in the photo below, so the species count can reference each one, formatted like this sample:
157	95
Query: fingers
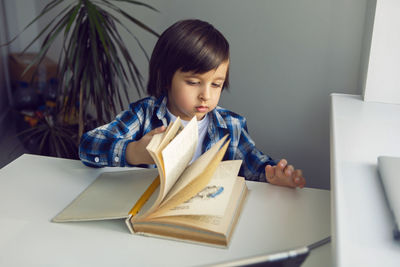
156	131
283	169
280	167
298	179
284	175
270	173
289	170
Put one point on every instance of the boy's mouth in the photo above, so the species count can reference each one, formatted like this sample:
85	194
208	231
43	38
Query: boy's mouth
202	109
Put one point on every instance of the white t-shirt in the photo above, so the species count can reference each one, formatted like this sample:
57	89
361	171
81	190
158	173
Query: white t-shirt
202	125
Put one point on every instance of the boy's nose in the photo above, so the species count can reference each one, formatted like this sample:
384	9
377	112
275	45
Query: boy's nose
205	93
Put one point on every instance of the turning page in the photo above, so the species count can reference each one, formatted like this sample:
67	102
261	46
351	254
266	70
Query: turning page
178	153
214	198
196	184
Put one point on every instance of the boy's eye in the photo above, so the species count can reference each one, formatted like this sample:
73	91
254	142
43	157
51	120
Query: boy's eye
217	85
191	82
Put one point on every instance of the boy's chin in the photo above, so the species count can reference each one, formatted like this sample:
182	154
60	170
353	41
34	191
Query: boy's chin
200	116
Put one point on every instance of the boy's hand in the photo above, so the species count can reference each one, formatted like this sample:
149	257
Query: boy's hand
136	152
284	175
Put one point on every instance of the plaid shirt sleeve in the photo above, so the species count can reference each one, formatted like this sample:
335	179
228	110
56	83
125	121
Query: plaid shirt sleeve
241	147
254	161
106	145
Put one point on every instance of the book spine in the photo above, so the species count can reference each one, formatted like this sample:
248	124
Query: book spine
129	224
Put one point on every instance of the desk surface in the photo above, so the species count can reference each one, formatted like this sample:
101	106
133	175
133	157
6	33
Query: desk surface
33	189
361	225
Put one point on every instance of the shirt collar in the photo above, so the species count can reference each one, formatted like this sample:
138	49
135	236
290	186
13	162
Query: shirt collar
161	109
217	119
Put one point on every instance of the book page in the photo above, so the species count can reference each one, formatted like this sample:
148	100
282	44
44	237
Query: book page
156	145
195	186
110	196
195	169
218	224
214	198
222	224
178	153
172	130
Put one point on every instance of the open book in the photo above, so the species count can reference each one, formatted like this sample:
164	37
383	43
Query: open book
196	201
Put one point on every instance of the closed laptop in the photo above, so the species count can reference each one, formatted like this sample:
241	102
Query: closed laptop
389	173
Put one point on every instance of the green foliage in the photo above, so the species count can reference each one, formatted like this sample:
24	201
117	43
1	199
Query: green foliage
95	67
50	137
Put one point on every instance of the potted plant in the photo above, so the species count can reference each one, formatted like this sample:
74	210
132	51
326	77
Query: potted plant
94	70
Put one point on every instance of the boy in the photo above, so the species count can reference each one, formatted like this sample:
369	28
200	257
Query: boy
189	68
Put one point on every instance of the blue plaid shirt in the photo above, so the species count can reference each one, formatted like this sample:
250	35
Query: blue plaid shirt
106	145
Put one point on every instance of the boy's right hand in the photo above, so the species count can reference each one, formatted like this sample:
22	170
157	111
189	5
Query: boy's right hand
136	152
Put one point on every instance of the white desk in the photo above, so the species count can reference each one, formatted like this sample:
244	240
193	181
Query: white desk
361	225
33	189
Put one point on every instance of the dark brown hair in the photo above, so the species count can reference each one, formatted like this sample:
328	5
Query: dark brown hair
187	45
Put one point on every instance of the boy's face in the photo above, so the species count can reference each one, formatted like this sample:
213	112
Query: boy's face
194	94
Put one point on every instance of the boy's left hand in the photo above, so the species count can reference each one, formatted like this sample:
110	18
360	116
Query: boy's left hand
284	175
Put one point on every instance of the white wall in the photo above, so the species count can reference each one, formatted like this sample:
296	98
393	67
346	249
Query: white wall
14	16
19	13
382	82
287	57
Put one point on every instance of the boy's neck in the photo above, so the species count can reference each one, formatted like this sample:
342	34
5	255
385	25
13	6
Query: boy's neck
184	122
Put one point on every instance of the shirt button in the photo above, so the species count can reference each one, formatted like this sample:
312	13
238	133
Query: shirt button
116	159
96	159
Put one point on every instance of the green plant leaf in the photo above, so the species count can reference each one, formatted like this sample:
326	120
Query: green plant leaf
96	20
72	17
47	43
44	30
138	3
129	17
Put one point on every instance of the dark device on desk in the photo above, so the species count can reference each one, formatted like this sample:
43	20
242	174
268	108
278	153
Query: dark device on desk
388	168
289	258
